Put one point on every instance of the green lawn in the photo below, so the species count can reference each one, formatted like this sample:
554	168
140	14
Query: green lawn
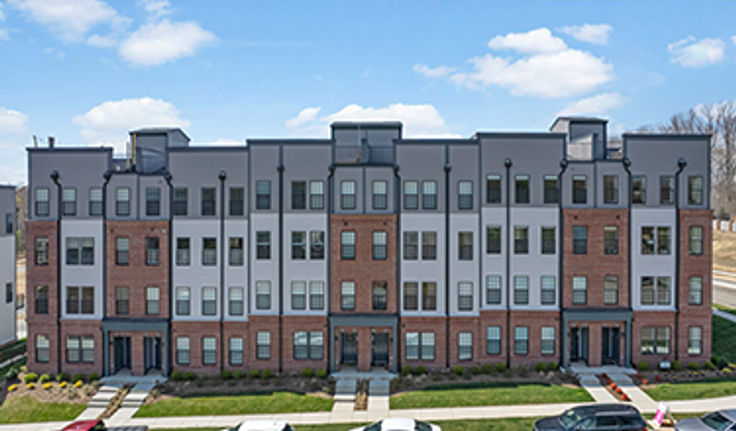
709	388
488	394
13	349
724	339
724	308
271	402
28	409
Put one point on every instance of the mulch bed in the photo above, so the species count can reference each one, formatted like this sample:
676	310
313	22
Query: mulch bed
441	378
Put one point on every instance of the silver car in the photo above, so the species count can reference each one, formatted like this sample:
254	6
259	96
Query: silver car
262	425
722	420
399	424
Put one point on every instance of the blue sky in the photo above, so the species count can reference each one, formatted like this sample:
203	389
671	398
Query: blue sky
86	71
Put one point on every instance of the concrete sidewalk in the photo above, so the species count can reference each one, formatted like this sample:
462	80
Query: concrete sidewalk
727	316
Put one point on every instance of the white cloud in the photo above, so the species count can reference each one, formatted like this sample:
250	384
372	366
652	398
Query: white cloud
535	41
157	43
222	142
594	105
70	20
4	34
306	115
156	8
591	33
12	122
733	39
690	52
109	122
102	41
432	72
2	12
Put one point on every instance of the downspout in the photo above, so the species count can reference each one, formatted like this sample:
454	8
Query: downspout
629	343
172	291
55	178
508	163
397	206
281	256
681	164
560	262
328	281
222	176
105	342
447	168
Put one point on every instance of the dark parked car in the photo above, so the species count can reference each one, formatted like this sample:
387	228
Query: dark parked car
595	417
98	425
722	420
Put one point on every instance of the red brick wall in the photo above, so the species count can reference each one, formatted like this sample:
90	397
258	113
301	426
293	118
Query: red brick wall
643	319
364	345
595	332
293	324
534	320
137	359
492	318
435	325
269	324
82	328
195	331
236	329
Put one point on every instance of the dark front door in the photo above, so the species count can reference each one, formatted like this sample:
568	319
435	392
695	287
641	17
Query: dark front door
610	346
379	349
579	345
349	346
121	346
151	353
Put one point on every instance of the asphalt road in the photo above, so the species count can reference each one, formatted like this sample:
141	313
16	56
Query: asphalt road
724	292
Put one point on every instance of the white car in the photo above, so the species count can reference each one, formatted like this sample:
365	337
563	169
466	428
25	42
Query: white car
399	424
261	425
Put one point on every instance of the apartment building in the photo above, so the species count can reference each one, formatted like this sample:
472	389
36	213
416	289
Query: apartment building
7	265
370	250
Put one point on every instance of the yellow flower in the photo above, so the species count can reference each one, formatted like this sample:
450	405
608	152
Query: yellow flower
78	384
31	386
47	385
11	388
62	385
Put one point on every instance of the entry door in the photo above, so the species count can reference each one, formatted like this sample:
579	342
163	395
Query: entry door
379	349
579	344
349	345
610	348
151	352
121	345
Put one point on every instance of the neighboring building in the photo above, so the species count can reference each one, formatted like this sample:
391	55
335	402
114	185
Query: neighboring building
7	265
370	250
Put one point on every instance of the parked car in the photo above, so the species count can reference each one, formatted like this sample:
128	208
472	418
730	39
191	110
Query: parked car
595	417
722	420
98	425
399	424
261	425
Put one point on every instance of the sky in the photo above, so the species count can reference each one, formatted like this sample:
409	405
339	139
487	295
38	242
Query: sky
88	71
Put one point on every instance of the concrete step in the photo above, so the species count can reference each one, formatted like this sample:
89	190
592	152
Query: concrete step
379	388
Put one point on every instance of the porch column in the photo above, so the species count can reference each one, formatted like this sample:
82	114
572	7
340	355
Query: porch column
105	352
165	361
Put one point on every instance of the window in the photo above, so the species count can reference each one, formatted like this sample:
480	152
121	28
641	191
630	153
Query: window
308	345
411	296
579	240
152	251
209	301
579	290
208	201
42	300
263	295
316	195
237	203
695	190
411	195
465	245
647	240
263	195
380	197
521	239
209	251
298	245
183	301
181	201
550	189
695	242
465	296
263	345
347	299
522	189
647	291
183	255
610	290
9	223
548	340
429	245
80	349
236	351
42	348
379	245
493	189
122	300
655	340
209	351
579	189
235	301
660	295
122	201
379	295
547	285
663	240
347	195
667	190
153	201
465	195
263	244
80	251
521	290
317	245
182	350
8	293
429	296
521	340
694	340
548	240
69	201
610	189
420	346
493	239
298	195
347	245
235	256
429	195
610	239
493	289
493	340
298	295
639	189
122	251
41	203
411	246
663	290
316	295
95	201
42	251
465	346
695	292
152	300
